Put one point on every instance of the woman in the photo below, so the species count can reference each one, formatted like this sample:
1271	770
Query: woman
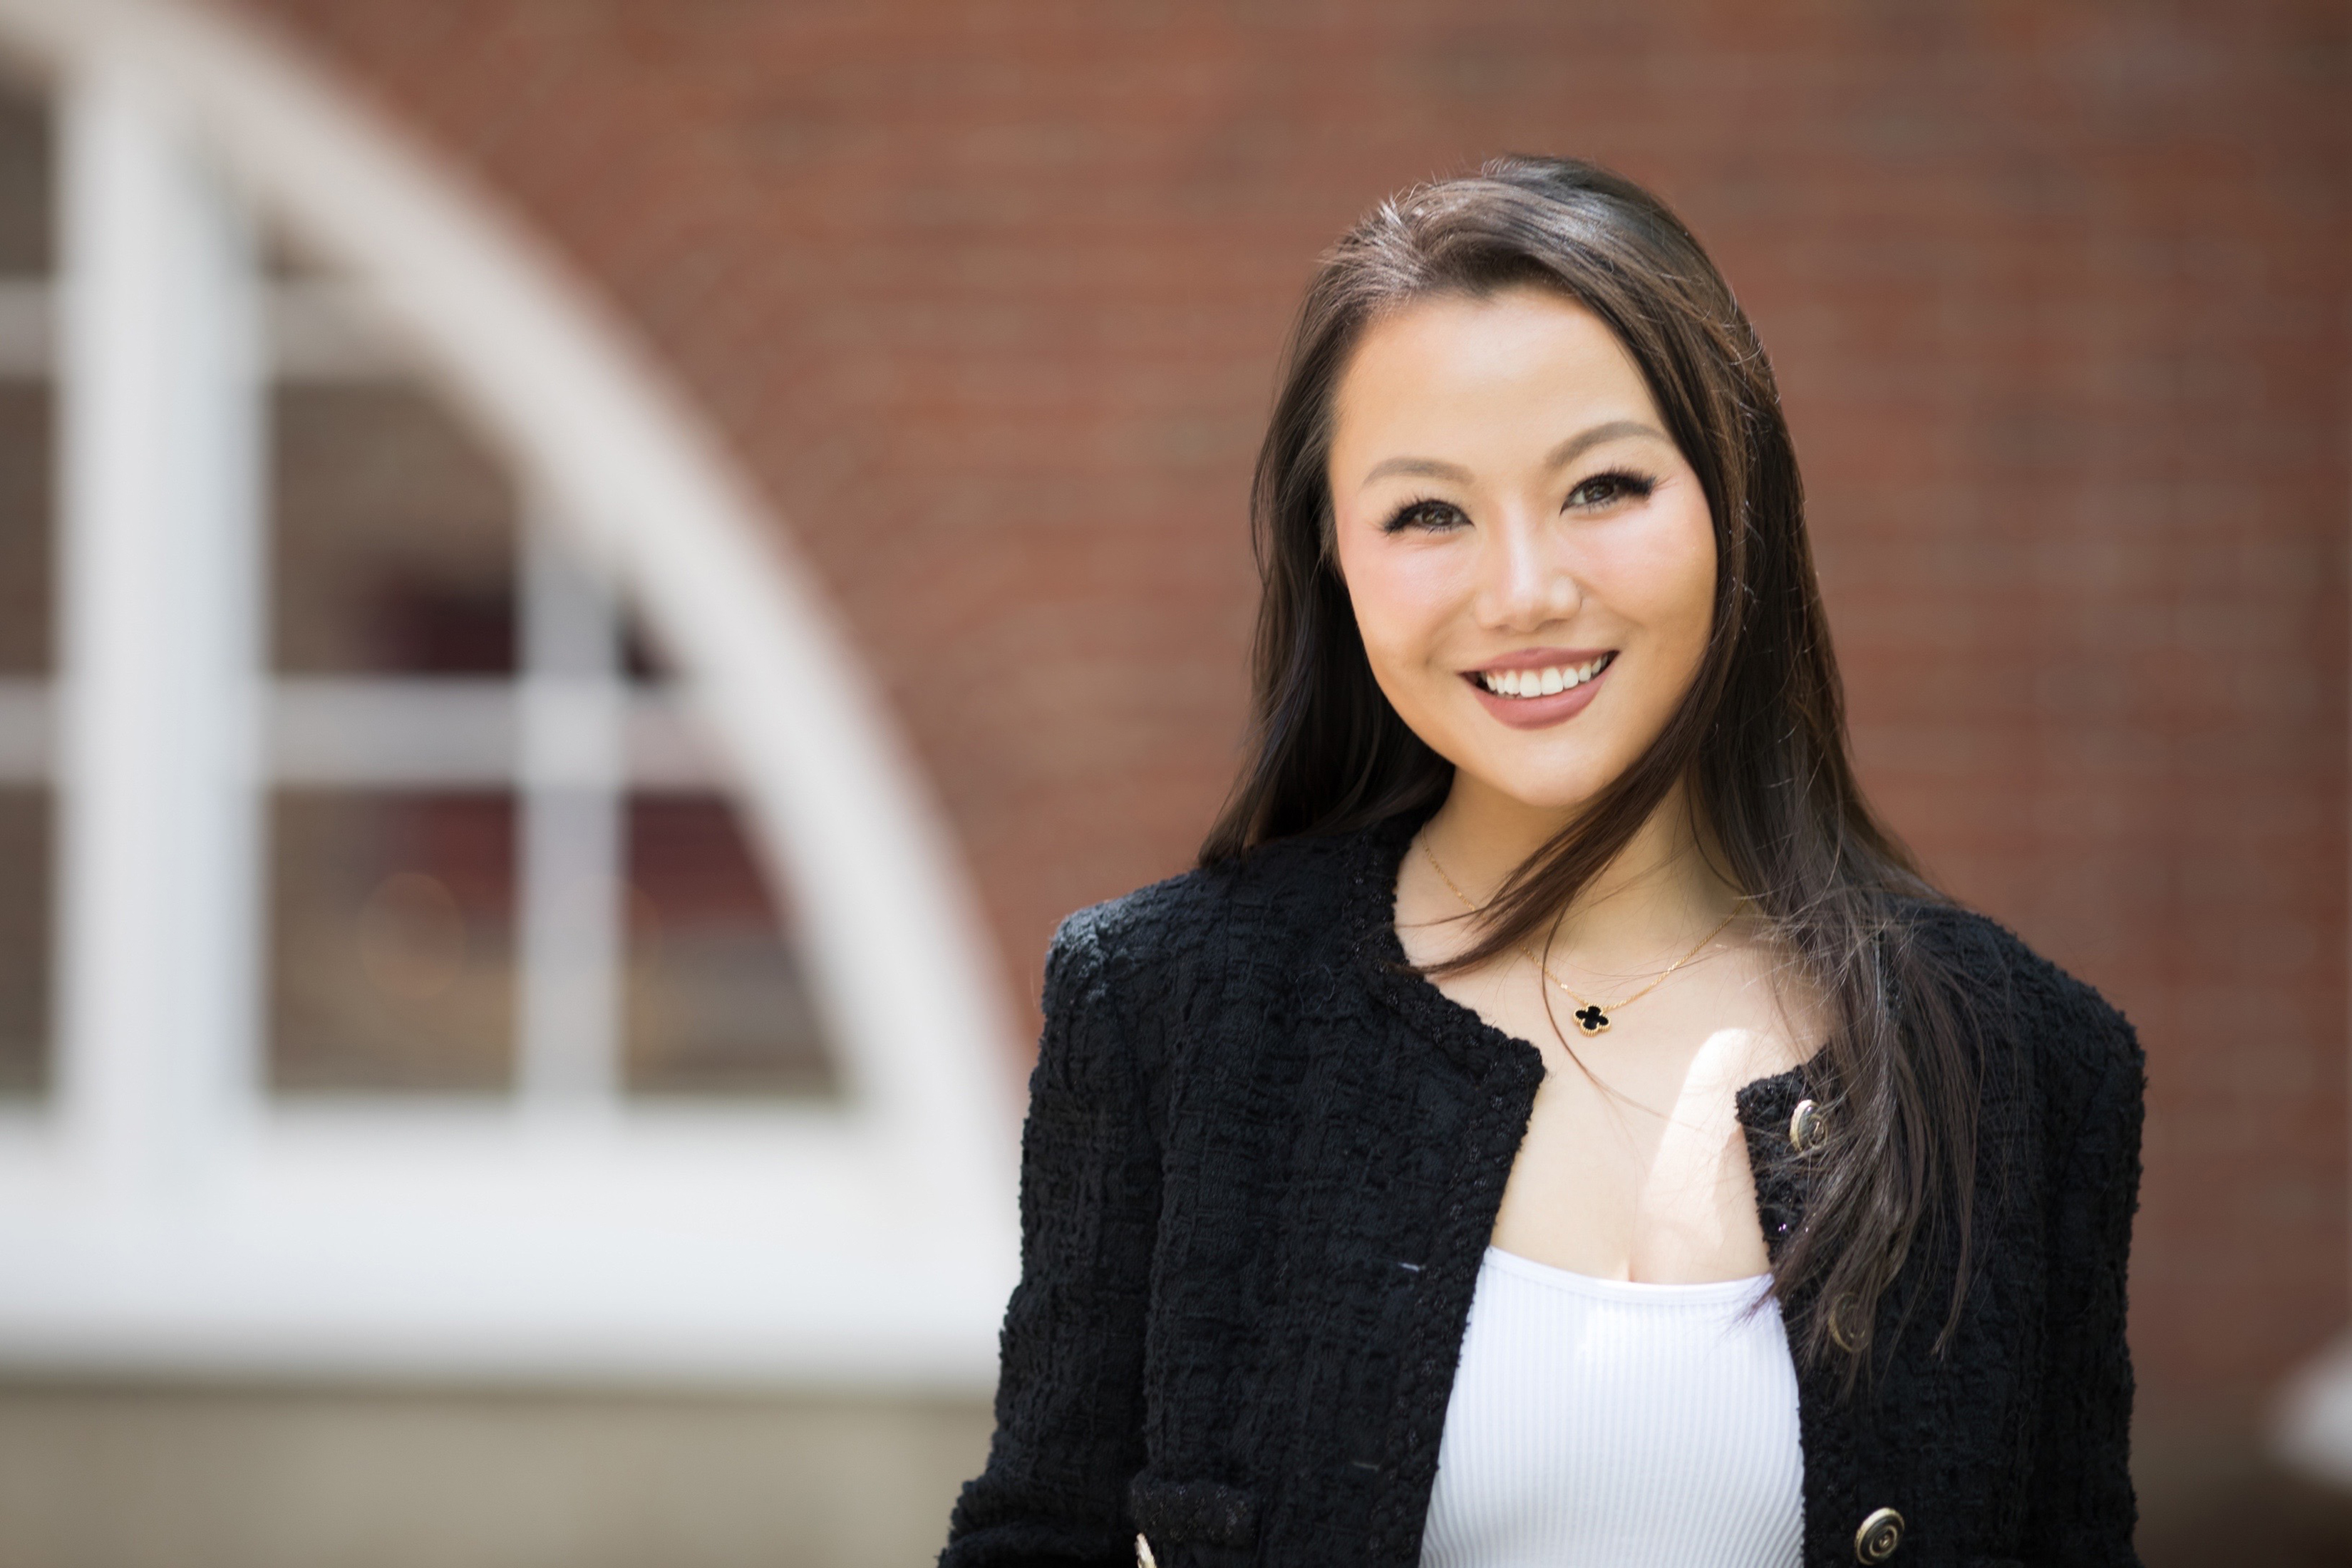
1556	1123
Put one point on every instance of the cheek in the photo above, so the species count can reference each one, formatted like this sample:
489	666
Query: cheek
1402	599
1667	582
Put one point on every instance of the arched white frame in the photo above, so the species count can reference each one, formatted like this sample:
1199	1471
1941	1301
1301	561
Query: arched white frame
164	1215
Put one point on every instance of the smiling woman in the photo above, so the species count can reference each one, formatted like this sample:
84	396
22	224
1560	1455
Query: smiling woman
1801	1239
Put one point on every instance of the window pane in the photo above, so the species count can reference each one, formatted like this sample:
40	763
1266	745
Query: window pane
717	1001
25	531
27	211
643	660
26	568
392	954
24	942
286	258
393	543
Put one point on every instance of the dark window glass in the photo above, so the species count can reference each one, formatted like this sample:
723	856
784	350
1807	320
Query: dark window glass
28	210
393	539
284	258
717	1003
392	949
643	660
24	942
27	567
26	530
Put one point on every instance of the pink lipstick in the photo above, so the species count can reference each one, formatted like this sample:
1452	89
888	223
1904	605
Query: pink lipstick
1534	688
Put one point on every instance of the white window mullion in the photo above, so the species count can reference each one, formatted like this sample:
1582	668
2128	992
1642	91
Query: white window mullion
161	440
573	707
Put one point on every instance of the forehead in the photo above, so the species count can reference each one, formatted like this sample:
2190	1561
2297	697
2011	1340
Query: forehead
1457	377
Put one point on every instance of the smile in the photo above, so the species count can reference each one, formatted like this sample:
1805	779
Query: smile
1547	682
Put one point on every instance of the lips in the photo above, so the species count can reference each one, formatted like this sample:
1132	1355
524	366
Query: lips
1543	687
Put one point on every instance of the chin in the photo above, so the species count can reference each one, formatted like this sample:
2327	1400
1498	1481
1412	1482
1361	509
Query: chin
1541	788
1564	800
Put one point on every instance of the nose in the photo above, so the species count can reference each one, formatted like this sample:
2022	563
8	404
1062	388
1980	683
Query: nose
1525	581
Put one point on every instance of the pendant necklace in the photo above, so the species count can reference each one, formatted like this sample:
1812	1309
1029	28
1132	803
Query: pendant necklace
1593	1017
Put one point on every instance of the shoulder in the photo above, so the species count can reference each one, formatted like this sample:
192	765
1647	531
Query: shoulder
1289	889
2008	981
1273	903
2077	1048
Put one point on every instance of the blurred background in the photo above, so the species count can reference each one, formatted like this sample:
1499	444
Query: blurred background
581	582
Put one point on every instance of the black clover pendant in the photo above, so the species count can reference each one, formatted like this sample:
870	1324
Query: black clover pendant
1592	1020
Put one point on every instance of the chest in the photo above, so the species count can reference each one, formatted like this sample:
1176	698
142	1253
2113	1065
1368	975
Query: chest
1633	1164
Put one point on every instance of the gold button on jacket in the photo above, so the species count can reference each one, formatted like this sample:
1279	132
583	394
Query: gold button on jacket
1880	1534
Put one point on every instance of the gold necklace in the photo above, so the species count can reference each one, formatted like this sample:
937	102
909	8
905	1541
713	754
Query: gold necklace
1593	1017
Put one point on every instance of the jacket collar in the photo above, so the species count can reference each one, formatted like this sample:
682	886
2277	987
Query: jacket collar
1371	858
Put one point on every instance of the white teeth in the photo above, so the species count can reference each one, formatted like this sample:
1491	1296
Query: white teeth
1542	682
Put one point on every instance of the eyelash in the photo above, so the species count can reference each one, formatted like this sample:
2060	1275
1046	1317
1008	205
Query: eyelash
1626	484
1407	515
1430	513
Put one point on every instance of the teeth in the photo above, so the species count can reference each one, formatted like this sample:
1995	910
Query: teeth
1543	682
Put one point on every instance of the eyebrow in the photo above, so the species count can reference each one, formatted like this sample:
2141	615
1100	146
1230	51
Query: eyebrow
1566	452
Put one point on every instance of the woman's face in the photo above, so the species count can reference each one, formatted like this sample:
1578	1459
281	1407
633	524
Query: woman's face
1529	556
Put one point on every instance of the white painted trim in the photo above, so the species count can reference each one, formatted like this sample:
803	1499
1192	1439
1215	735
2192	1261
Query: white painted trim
314	332
452	733
2310	1425
574	766
446	731
875	1243
156	852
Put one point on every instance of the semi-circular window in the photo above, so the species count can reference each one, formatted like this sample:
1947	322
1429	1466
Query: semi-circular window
464	910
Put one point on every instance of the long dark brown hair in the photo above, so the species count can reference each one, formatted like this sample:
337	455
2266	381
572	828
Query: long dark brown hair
1759	739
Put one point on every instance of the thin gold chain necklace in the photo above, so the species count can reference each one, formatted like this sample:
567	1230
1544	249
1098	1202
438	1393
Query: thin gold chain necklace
1593	1017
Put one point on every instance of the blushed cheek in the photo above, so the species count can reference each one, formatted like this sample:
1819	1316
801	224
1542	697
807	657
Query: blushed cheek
1398	637
1689	609
1410	592
1393	653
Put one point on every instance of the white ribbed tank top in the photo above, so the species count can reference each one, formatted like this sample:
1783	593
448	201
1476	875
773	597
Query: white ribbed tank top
1612	1424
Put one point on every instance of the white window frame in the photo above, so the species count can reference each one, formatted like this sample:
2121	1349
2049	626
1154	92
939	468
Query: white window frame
162	1211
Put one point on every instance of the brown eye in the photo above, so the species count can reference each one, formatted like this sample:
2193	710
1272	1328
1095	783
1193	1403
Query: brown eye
1430	516
1607	489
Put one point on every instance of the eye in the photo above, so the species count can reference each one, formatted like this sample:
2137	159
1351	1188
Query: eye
1608	490
1429	516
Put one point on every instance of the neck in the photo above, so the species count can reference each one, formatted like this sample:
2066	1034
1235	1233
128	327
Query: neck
1660	889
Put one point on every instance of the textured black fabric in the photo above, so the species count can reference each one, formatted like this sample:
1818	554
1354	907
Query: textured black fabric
1261	1168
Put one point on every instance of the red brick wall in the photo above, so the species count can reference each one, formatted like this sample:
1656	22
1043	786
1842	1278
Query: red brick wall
989	295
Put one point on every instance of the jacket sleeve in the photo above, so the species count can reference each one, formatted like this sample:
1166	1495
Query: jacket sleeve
1069	1394
2081	1511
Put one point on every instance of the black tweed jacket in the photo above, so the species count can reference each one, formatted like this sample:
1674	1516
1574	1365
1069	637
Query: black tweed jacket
1261	1167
